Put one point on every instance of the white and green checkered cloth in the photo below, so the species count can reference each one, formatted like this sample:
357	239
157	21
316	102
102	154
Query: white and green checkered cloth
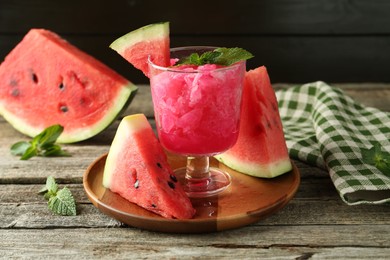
326	128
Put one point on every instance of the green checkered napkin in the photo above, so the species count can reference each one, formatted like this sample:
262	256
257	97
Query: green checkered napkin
326	128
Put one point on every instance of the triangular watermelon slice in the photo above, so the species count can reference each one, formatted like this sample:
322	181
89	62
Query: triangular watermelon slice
45	80
137	45
137	169
261	149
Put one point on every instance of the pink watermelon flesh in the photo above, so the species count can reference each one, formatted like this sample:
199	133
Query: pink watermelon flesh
261	148
138	54
137	45
45	80
137	169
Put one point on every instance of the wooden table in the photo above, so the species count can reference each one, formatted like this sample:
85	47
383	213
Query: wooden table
316	223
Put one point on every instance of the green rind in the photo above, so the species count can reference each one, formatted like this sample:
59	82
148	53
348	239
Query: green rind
269	170
109	118
145	33
125	96
128	125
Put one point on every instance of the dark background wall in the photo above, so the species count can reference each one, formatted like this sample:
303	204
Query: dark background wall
298	40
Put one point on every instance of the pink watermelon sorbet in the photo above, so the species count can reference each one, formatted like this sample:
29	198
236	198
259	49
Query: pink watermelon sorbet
197	109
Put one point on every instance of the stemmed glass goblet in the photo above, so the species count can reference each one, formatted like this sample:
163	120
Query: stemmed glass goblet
197	112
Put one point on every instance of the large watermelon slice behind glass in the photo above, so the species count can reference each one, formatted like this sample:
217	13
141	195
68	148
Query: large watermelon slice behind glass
261	149
137	169
45	80
137	45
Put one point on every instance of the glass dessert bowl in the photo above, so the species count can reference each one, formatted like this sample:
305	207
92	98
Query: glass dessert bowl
197	112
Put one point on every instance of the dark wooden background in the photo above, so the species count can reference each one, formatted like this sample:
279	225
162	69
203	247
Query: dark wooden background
298	40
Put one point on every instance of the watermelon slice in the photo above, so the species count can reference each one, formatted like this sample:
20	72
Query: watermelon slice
137	45
45	80
137	169
261	149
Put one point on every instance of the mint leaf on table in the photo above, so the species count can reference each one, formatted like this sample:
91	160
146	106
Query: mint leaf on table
41	145
63	203
60	202
378	158
20	148
51	186
219	56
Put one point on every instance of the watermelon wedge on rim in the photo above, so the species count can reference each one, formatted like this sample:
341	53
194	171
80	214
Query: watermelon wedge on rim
137	45
261	149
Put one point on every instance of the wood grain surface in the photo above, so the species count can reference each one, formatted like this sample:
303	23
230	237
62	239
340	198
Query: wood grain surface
315	224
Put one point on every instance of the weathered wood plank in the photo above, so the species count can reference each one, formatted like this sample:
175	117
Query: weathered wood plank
303	212
245	243
310	188
300	17
299	40
71	169
316	203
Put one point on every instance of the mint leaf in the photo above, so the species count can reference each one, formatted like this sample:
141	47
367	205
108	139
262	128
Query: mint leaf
55	150
50	186
219	56
48	136
376	157
20	148
63	203
60	202
42	144
230	56
30	152
194	58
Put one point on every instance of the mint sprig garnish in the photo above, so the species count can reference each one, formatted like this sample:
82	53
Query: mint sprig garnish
378	158
41	145
60	202
219	56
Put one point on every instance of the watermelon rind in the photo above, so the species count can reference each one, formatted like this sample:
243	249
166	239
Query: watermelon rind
123	99
145	33
270	170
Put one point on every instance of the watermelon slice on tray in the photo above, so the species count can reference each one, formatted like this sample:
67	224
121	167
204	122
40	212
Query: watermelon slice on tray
45	80
137	169
261	149
137	45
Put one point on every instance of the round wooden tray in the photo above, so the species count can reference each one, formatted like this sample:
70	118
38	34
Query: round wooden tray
246	201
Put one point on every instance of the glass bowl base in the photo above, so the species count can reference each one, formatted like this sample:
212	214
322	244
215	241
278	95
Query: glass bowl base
215	183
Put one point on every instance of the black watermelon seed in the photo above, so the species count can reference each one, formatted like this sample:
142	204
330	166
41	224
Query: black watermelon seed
173	178
64	108
34	78
154	206
171	185
159	165
61	86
